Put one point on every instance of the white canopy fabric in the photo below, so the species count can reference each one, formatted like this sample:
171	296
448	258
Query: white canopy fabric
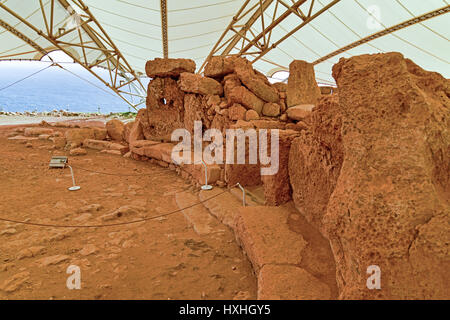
194	27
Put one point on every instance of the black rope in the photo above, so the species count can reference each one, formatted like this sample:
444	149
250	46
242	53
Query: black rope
29	76
112	224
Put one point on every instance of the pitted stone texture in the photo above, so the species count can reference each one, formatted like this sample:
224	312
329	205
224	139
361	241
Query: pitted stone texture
277	188
284	282
257	83
195	110
165	109
220	66
195	83
115	129
390	206
302	87
266	237
243	96
315	161
168	67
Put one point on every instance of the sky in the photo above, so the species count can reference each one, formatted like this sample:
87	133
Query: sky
55	88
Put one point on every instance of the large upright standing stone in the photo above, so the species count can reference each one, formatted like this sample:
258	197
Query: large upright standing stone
302	87
390	207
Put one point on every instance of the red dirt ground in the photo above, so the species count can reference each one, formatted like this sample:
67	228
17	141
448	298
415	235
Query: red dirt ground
157	259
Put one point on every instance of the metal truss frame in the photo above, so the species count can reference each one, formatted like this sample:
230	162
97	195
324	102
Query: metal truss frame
386	31
240	35
95	38
165	41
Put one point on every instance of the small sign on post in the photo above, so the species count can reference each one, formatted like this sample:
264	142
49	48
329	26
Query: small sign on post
58	162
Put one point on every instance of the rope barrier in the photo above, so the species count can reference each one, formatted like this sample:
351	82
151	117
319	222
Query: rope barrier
29	76
113	224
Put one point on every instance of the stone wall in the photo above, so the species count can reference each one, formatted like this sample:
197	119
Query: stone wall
230	94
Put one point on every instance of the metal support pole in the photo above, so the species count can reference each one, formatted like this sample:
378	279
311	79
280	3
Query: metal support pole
74	187
206	186
243	193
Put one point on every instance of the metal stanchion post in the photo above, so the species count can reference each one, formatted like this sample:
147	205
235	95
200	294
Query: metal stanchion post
74	187
243	193
206	186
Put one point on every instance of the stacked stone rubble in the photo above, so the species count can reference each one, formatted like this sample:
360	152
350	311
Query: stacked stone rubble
230	95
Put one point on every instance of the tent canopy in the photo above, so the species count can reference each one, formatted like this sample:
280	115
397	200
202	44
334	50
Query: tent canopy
121	35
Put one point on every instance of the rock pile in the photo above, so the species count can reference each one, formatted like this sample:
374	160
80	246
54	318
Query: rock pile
230	94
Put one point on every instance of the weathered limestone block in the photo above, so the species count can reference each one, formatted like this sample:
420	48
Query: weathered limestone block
220	66
251	115
271	109
78	152
287	282
194	110
115	129
277	188
168	67
390	206
136	132
266	238
257	84
30	132
165	109
104	145
230	82
315	161
299	112
126	131
246	174
236	112
302	87
280	86
196	83
75	137
246	98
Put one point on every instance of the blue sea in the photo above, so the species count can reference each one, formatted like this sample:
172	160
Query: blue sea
55	88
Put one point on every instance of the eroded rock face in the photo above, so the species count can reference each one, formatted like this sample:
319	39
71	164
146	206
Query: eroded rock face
195	110
302	87
220	66
315	160
246	98
299	112
271	109
195	83
126	131
115	129
165	108
236	112
390	205
75	137
277	188
168	67
257	83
